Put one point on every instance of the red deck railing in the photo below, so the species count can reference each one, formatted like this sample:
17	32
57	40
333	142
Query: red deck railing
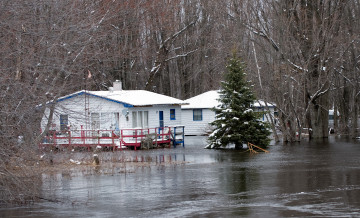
134	137
82	138
107	138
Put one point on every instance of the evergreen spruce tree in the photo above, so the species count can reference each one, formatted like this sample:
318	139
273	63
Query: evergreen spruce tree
236	123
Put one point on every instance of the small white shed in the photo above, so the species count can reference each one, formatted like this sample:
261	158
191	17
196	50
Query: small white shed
197	115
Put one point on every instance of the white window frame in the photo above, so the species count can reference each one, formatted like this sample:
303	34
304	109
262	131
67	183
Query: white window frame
140	119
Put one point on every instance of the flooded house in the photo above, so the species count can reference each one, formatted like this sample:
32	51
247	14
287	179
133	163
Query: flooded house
113	117
198	114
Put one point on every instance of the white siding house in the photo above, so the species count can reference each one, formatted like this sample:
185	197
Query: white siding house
114	110
197	115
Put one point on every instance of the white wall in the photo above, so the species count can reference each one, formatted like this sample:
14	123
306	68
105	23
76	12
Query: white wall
197	127
154	115
75	109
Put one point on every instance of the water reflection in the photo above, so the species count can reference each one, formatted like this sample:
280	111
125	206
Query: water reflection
317	178
314	178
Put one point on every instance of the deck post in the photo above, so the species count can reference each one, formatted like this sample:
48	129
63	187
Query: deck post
82	135
69	138
54	138
98	135
174	138
112	139
121	139
135	141
183	136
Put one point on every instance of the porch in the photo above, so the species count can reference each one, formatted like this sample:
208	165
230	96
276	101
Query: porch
116	139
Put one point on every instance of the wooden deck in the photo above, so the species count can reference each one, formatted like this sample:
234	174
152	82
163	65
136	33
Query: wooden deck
125	138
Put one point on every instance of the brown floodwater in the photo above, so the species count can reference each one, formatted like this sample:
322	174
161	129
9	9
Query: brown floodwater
317	179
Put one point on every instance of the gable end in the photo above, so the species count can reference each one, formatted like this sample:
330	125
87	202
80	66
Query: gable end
82	93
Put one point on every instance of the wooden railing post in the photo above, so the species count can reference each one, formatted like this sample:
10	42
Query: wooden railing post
54	138
69	138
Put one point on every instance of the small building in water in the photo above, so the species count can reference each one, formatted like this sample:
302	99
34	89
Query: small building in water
113	110
198	114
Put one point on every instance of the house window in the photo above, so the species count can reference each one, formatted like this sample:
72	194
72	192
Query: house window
146	119
116	121
140	119
197	114
109	121
134	119
64	121
105	120
95	121
172	114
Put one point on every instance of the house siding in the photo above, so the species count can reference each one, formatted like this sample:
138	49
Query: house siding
197	127
200	127
75	109
154	115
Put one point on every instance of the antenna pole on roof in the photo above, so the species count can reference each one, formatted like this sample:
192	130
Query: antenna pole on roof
87	107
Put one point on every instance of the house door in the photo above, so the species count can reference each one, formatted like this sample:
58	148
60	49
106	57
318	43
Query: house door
161	119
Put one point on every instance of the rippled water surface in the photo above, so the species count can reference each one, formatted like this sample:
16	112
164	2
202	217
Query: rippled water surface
317	179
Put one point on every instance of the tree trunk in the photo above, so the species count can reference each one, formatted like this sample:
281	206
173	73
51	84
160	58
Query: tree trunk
45	131
319	115
344	108
354	118
238	146
336	119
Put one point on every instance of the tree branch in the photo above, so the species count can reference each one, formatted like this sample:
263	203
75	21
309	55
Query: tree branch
162	54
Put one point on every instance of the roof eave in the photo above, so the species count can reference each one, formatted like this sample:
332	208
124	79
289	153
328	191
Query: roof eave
93	95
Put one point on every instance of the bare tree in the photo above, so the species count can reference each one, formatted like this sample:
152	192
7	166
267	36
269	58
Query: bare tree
42	50
301	55
304	37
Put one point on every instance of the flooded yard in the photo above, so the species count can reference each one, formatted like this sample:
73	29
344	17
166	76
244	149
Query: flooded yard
317	178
